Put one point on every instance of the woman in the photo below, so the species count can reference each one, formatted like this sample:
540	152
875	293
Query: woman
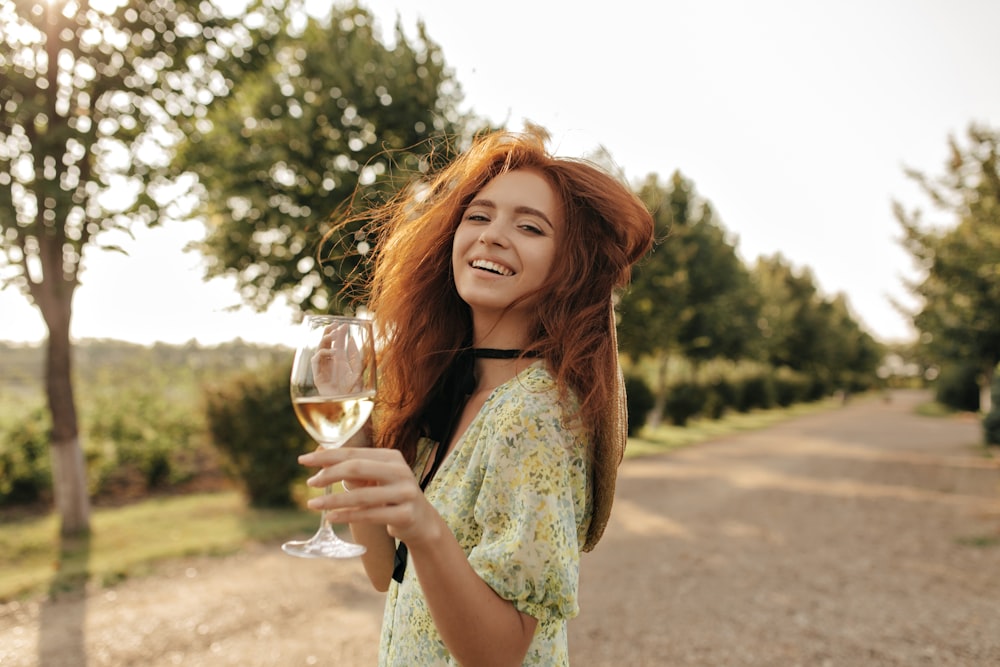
500	411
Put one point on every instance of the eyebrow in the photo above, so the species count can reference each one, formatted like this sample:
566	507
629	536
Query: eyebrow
526	210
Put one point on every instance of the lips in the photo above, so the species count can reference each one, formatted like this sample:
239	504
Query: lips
492	267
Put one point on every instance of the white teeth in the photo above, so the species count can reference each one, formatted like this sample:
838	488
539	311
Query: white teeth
492	266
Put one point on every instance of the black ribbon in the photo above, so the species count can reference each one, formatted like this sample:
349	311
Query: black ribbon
441	416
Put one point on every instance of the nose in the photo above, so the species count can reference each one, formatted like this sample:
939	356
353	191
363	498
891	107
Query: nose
493	234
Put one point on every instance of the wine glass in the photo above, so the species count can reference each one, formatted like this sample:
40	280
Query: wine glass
332	387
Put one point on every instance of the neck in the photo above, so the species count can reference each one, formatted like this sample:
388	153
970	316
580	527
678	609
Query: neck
500	333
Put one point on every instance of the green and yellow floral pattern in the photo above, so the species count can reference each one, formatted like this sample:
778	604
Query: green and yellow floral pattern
516	493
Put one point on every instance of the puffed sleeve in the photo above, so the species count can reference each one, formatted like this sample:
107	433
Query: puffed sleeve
532	506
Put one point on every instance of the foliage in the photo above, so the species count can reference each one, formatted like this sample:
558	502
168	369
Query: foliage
684	401
251	420
991	422
691	297
991	427
143	427
652	306
639	399
692	294
758	393
723	394
959	289
808	333
791	387
154	441
336	109
25	475
957	387
95	97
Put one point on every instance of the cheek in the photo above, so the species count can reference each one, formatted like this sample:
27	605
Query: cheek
459	246
544	259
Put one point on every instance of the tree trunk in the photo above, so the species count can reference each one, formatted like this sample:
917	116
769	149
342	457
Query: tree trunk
660	395
985	388
69	474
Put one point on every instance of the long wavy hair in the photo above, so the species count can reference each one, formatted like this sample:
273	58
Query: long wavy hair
424	323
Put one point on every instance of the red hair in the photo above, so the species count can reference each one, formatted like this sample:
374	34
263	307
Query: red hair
424	323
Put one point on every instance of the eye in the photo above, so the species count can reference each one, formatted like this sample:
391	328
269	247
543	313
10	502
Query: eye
532	228
476	216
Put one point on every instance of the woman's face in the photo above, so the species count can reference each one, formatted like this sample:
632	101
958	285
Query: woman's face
505	244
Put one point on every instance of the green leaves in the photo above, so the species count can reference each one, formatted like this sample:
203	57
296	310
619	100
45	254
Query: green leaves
337	116
959	291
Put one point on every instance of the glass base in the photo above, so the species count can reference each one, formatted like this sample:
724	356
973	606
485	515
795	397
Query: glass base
324	544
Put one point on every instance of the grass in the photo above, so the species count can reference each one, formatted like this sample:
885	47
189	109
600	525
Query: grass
979	541
665	437
935	409
133	539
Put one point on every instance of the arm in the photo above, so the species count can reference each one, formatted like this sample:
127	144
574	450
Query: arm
478	626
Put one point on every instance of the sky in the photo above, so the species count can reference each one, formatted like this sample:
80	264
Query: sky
796	119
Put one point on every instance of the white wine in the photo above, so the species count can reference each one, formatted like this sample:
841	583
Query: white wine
331	421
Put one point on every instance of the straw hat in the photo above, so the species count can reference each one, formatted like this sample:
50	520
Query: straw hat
611	437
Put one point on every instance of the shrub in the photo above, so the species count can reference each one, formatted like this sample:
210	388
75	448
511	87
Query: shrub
957	387
640	401
758	393
991	422
817	387
790	388
722	394
252	422
25	466
991	427
148	441
684	400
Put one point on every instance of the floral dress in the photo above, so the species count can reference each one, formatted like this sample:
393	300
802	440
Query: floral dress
515	492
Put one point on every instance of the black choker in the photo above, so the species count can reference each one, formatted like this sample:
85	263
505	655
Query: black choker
491	353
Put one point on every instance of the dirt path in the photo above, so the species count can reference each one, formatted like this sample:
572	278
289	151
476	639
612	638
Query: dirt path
863	536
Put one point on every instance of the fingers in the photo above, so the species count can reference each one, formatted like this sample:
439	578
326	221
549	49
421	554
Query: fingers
327	457
384	490
362	467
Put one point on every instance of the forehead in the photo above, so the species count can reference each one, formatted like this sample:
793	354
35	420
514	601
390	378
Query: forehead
521	187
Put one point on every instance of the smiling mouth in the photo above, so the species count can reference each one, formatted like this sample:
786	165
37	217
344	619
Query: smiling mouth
491	267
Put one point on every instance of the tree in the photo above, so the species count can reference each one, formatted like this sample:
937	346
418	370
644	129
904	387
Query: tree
806	332
721	321
94	96
653	306
791	322
959	291
692	295
337	109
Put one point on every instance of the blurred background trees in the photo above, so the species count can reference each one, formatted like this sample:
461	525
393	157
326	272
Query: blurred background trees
95	96
694	299
959	293
335	114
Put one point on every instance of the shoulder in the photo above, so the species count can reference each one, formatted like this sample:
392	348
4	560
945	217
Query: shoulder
532	404
534	392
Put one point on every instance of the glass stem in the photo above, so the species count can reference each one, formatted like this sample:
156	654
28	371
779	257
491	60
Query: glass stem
325	526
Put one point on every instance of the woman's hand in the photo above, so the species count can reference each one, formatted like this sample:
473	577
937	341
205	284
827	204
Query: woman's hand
336	373
383	490
477	625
